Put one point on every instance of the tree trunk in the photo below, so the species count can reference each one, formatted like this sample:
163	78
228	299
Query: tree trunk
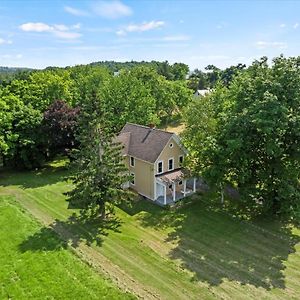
222	194
102	211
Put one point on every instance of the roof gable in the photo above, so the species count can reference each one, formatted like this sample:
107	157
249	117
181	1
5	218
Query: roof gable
143	142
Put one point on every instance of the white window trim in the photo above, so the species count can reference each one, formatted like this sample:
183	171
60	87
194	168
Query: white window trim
162	167
133	175
179	159
171	145
133	161
171	158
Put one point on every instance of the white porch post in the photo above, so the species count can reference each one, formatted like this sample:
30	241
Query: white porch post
184	187
174	191
165	195
194	187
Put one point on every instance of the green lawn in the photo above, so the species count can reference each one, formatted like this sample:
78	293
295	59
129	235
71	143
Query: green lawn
43	268
196	252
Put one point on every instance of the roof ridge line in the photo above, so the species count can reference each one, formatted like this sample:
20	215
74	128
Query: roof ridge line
147	127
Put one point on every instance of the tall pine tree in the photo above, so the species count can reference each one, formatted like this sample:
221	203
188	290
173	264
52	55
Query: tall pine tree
100	173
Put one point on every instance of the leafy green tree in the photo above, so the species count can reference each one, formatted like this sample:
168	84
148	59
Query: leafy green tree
255	144
213	75
180	71
198	80
44	87
227	75
127	99
20	138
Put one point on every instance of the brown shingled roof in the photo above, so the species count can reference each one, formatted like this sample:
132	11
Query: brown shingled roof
143	142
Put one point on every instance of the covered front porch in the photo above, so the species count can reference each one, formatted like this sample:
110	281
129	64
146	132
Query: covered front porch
172	187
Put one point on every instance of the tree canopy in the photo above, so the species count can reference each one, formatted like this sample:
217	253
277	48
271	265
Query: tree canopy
248	135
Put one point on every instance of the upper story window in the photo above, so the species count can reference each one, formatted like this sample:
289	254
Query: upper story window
132	162
159	167
170	164
171	145
180	160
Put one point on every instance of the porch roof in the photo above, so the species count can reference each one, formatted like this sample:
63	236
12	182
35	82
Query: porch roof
171	177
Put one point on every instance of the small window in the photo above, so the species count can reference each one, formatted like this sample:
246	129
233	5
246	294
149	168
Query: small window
180	159
180	182
171	164
132	161
171	145
132	178
159	167
170	187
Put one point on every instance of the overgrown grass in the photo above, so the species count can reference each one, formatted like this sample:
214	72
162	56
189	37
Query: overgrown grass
195	252
43	268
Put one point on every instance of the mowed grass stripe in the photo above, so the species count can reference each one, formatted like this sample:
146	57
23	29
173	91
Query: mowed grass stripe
153	270
30	272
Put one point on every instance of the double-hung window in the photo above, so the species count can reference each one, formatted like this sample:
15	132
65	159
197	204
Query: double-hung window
159	167
132	178
180	160
132	162
170	164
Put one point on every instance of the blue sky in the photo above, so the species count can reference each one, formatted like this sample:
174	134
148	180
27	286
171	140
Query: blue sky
60	33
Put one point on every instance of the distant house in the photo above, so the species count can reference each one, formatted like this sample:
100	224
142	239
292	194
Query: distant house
154	159
201	93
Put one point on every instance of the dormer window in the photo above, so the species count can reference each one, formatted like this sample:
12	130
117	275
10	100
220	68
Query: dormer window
159	167
132	162
171	145
170	164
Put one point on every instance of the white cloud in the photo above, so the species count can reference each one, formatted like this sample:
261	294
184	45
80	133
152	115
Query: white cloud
36	27
264	45
111	9
19	56
282	25
59	30
145	26
3	41
76	26
67	35
296	25
176	38
61	27
75	11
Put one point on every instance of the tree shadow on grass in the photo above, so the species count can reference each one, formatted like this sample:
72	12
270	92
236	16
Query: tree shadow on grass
48	175
75	230
216	247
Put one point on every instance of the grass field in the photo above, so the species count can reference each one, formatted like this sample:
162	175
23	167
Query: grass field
195	252
43	268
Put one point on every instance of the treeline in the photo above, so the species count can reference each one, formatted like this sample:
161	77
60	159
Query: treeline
39	110
8	74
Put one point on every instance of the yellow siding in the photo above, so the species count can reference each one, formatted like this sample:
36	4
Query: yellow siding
143	171
167	153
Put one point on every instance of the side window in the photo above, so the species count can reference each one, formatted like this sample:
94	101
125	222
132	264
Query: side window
180	160
132	162
159	167
170	164
132	179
